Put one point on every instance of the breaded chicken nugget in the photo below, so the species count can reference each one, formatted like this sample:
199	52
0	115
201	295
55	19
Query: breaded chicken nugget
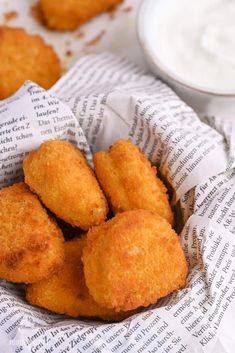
129	182
69	14
31	243
62	178
133	260
25	57
66	292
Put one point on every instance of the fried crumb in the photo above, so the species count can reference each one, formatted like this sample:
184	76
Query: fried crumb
80	34
10	15
127	9
114	6
112	13
36	13
68	53
96	39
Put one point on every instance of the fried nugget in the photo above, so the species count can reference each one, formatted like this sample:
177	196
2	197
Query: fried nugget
129	182
25	57
60	175
133	260
31	243
66	292
69	14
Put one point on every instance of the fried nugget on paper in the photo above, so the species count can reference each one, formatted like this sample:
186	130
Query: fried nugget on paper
66	292
129	182
69	14
31	243
133	260
60	175
25	57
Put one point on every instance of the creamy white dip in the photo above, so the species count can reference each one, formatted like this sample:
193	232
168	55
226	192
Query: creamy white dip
195	39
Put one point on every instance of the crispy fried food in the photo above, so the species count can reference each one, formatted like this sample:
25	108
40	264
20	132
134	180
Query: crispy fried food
62	178
133	260
66	292
25	57
129	182
31	243
69	14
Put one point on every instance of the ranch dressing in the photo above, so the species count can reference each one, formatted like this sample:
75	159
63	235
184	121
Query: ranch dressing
195	40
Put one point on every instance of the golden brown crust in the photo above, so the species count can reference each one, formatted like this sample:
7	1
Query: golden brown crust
60	175
133	260
31	243
66	291
25	57
69	14
129	182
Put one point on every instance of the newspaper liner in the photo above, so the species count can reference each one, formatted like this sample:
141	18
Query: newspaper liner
103	98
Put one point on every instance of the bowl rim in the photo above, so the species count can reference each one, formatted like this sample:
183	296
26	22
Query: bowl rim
148	52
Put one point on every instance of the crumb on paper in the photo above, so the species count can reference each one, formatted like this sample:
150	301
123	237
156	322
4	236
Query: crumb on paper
112	13
112	10
80	34
127	9
69	53
96	39
36	13
115	6
10	15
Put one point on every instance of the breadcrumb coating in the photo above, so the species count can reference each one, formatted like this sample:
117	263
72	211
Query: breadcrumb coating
66	292
133	260
25	57
60	175
129	181
31	243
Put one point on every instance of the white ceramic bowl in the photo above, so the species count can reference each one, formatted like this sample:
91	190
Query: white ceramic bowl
203	101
